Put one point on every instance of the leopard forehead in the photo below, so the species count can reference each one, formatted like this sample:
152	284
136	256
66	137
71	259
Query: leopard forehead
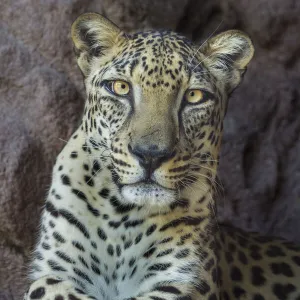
160	60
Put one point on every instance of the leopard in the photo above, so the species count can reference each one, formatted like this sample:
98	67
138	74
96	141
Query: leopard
131	211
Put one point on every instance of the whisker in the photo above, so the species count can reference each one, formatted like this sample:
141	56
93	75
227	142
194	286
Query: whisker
190	60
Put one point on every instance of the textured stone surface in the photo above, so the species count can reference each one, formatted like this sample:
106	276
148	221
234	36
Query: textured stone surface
42	97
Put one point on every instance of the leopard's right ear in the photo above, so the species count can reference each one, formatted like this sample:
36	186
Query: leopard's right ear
93	36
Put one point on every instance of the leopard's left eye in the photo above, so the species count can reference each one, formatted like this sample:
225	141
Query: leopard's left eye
196	96
118	87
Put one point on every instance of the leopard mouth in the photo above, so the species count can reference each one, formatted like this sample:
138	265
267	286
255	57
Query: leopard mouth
148	191
150	182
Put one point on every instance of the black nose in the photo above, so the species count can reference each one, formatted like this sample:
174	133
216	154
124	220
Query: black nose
150	157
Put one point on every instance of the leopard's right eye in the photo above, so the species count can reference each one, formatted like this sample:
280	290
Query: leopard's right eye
118	87
197	96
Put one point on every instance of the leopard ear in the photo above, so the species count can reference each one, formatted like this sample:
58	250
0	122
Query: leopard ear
93	36
228	55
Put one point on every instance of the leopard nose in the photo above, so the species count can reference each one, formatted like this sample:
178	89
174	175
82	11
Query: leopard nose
150	156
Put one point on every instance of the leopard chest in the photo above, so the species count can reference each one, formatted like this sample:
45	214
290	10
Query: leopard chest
118	257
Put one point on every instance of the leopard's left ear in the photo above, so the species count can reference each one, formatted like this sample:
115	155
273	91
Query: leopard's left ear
93	36
228	55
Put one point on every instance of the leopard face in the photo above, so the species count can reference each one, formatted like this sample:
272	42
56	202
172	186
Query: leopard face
156	103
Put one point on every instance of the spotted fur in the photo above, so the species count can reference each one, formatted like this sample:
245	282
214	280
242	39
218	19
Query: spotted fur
130	212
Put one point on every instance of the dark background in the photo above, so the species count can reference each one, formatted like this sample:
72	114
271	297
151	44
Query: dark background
41	98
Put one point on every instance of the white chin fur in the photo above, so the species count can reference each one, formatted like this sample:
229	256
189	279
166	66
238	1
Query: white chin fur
150	194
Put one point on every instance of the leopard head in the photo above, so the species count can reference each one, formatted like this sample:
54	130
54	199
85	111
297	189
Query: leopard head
156	103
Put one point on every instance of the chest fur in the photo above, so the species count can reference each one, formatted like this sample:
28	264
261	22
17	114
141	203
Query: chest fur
106	247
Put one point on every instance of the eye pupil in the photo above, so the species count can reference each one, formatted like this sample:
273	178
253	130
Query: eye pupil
192	94
123	86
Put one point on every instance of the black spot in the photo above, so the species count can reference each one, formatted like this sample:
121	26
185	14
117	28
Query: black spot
89	180
228	257
149	252
96	168
238	292
127	244
183	203
51	224
55	266
164	253
83	261
131	262
138	238
133	272
94	245
203	288
214	275
93	210
282	291
156	298
46	246
151	229
258	297
110	250
82	275
37	293
184	298
225	296
104	193
65	180
282	268
188	221
257	277
74	221
38	256
236	274
242	258
74	154
79	194
232	247
95	269
275	251
78	246
72	297
242	241
160	267
168	289
59	297
120	207
114	224
209	264
79	291
255	252
51	209
102	234
182	253
133	223
64	257
213	297
58	237
95	258
296	259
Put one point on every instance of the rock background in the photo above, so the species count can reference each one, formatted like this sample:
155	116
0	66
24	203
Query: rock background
42	96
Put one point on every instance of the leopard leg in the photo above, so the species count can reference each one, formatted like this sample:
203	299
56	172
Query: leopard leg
54	288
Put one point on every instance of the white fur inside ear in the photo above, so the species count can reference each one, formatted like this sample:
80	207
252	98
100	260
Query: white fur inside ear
230	49
93	35
227	56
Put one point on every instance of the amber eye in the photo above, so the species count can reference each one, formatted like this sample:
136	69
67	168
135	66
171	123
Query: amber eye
194	96
120	87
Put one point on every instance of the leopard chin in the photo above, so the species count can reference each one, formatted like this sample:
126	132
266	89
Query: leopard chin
151	194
